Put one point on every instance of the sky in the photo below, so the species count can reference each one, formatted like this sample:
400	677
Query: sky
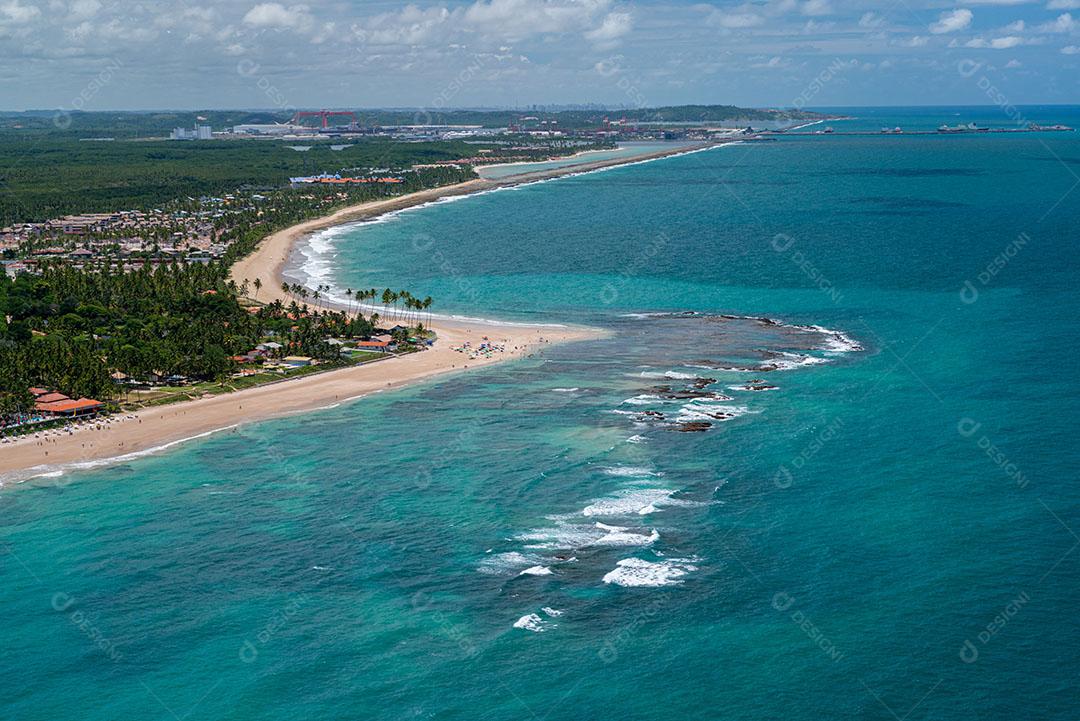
434	54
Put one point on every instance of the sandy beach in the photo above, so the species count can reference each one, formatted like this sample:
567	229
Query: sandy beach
125	435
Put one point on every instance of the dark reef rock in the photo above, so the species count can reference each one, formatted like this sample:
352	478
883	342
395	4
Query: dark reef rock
693	427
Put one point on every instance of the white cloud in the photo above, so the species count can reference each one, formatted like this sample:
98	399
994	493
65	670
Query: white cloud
277	16
735	20
199	20
83	10
818	26
1015	27
115	29
1070	50
412	26
1004	43
951	21
614	26
871	20
1010	41
774	62
1063	24
1063	5
1014	63
817	7
519	18
495	21
15	13
918	41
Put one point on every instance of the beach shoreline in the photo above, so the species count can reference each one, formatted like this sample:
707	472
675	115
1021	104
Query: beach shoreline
270	258
150	430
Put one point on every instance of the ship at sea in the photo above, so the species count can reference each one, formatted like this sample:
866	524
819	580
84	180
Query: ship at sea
963	128
1035	127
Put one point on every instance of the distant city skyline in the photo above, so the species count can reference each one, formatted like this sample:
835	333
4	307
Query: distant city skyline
112	55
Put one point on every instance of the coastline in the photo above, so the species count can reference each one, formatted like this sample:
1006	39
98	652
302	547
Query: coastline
268	261
579	154
154	429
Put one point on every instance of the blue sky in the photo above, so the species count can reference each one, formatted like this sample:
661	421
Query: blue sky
120	54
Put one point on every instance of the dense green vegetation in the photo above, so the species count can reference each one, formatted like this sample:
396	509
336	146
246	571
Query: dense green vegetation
47	176
43	178
70	330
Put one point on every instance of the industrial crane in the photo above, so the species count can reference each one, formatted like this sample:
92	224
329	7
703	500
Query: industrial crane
323	115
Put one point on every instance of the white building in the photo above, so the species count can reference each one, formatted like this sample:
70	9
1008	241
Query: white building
267	129
201	132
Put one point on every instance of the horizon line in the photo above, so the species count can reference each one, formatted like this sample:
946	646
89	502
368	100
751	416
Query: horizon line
496	109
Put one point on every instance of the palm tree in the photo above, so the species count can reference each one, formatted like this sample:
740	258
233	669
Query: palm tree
388	297
361	296
258	286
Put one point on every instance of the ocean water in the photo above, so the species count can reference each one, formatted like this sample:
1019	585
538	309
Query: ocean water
623	150
824	465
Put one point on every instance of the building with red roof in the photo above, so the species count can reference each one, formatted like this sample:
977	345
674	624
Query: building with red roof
71	409
52	397
373	345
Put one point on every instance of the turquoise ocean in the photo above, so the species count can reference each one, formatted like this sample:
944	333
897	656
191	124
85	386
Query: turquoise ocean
823	465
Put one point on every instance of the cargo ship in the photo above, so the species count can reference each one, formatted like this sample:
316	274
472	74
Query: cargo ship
962	128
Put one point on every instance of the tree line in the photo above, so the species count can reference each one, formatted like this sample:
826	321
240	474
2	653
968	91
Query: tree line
71	330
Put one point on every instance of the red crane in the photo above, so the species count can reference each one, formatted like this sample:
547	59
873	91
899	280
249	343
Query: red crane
323	115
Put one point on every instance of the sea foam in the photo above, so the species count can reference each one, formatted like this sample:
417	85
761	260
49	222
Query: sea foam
637	572
536	571
505	563
531	622
565	535
630	471
631	502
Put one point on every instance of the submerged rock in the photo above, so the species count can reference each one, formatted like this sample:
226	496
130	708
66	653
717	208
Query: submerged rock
693	427
689	395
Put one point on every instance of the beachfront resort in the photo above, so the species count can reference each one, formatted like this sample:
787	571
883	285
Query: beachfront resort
101	340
